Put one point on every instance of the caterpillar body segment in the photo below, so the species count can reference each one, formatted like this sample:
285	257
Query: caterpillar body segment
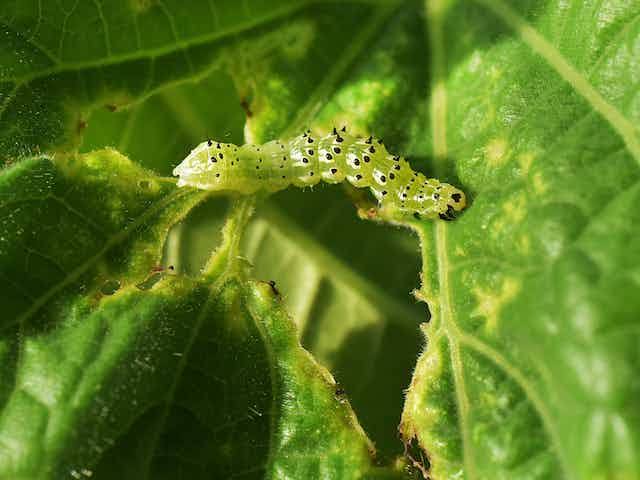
306	160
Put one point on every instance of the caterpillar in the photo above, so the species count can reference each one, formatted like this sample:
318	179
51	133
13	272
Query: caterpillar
306	160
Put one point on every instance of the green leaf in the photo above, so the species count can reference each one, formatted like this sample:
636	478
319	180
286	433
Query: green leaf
531	107
528	368
73	226
349	316
160	378
158	132
59	62
529	311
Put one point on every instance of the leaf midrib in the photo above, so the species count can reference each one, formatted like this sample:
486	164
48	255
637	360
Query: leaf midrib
445	314
444	310
539	44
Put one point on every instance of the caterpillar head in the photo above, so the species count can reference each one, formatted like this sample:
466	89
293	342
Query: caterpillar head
197	169
452	200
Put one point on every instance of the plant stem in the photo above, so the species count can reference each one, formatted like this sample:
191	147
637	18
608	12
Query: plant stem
226	260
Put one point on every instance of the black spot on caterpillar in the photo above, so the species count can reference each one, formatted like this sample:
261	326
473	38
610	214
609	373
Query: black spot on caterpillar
306	160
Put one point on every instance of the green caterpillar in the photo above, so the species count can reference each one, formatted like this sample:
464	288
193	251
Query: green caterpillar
306	160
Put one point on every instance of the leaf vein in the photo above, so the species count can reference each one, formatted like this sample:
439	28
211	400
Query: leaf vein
75	274
569	73
444	309
163	50
515	373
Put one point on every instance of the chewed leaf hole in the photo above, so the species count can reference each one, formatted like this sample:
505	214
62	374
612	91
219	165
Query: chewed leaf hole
110	287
